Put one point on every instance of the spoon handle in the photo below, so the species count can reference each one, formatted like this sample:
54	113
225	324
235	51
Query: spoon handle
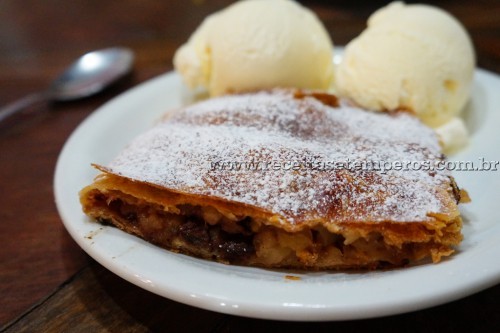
21	104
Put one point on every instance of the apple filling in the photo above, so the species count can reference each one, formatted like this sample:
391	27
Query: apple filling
206	232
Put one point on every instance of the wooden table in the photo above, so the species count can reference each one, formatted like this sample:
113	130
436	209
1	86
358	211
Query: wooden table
47	283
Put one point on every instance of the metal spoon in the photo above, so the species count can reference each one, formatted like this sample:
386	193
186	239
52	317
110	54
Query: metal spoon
88	75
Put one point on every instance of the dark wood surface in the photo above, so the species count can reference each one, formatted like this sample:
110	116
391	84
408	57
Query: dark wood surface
47	283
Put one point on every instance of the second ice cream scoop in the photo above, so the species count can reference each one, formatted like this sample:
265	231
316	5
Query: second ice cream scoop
416	57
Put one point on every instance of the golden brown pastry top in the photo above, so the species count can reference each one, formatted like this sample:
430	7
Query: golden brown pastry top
273	133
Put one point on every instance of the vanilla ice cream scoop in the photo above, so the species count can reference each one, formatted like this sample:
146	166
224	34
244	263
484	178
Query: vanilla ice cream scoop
257	44
416	57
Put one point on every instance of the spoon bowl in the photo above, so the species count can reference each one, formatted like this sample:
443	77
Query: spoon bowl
91	73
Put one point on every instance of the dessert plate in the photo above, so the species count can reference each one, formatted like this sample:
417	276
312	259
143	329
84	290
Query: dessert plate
275	294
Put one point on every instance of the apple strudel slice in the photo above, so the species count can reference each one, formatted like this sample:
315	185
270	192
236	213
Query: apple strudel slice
287	179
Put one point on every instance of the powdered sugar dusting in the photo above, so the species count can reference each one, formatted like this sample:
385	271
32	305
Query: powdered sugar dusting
273	127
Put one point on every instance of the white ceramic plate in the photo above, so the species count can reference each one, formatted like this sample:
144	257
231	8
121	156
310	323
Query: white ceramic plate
265	293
